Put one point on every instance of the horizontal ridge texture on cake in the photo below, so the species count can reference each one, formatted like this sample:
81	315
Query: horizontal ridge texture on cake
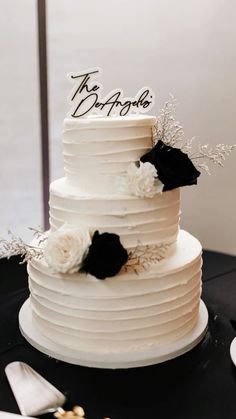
136	220
128	312
96	150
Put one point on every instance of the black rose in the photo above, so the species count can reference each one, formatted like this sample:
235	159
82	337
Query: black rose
174	168
106	255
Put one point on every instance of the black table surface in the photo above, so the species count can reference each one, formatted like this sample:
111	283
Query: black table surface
199	384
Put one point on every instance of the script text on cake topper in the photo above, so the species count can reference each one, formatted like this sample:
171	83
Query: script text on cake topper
86	97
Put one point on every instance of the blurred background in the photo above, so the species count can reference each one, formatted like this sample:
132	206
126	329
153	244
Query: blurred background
182	47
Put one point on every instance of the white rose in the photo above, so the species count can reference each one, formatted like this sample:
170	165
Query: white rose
66	248
140	181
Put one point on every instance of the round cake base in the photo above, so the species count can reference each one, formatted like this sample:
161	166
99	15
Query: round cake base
149	356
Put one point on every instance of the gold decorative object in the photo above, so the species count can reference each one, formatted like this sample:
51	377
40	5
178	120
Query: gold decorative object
140	258
76	413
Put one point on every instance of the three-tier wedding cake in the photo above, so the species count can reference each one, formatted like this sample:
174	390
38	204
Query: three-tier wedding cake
118	284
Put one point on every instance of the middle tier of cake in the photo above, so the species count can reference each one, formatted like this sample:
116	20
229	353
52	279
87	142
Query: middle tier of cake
138	221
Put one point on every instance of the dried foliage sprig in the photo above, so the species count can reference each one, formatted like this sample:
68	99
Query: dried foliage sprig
172	134
216	155
39	234
167	128
141	257
17	246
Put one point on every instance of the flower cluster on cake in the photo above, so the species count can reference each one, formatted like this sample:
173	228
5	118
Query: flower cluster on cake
115	217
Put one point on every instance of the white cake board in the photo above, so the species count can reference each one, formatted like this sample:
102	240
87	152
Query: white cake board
233	351
149	356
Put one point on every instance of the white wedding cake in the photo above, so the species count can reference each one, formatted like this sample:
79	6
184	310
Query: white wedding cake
118	279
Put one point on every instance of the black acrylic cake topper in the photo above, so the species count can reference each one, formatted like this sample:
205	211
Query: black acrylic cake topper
86	98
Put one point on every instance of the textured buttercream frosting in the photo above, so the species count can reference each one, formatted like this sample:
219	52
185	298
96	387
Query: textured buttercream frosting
138	221
97	150
129	311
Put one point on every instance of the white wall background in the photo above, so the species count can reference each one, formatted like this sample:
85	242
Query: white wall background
20	186
184	47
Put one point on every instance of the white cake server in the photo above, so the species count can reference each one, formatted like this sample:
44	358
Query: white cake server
7	415
34	395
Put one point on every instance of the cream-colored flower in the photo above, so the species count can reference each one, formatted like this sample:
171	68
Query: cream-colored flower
66	248
140	181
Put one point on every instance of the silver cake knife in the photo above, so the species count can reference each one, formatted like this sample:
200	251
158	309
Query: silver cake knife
34	395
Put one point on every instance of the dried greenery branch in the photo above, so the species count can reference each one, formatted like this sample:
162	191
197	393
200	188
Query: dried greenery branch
171	133
216	155
141	257
17	246
39	234
167	128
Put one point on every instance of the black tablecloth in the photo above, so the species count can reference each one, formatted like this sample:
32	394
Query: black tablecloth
199	384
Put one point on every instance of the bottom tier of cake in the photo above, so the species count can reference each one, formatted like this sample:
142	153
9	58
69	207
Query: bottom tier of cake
125	313
118	360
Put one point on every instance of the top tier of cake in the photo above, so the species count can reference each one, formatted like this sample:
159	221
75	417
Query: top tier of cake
97	150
